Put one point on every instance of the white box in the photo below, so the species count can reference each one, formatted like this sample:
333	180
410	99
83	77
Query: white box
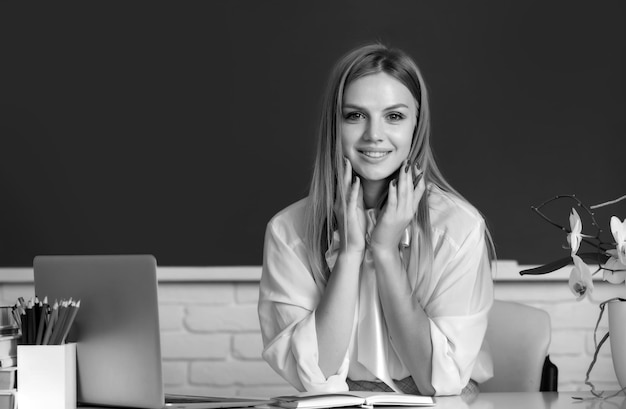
46	376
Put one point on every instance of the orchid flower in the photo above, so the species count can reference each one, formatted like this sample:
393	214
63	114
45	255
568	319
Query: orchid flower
619	234
614	269
580	281
576	227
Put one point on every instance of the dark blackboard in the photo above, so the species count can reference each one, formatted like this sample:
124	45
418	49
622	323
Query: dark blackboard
179	129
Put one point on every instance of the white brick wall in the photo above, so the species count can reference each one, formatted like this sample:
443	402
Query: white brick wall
211	342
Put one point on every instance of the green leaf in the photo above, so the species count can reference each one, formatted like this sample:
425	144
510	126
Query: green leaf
593	258
548	268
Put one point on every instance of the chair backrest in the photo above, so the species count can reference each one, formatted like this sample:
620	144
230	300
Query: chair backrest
518	336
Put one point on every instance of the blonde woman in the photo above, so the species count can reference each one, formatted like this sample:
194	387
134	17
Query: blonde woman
381	278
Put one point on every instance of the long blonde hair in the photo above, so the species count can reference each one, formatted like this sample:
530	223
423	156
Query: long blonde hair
329	164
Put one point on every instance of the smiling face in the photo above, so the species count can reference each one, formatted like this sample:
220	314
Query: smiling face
379	115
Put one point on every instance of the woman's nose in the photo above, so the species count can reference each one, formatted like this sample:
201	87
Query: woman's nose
373	131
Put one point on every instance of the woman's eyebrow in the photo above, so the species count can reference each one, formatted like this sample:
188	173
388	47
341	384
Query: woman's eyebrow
389	108
352	106
396	106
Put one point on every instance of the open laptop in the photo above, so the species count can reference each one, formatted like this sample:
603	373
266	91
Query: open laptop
117	330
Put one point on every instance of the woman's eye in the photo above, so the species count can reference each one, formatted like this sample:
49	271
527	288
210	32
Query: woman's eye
353	116
394	116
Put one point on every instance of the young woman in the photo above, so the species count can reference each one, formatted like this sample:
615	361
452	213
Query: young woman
380	279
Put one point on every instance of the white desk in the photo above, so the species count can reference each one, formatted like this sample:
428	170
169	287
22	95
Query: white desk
516	400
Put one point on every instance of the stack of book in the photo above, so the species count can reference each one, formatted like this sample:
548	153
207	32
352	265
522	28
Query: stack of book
9	337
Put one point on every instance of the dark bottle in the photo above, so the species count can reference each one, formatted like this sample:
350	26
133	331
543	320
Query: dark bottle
549	377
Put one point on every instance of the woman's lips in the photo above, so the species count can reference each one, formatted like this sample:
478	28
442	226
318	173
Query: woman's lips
374	154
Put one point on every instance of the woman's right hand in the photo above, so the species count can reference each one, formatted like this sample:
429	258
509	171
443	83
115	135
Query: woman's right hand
352	240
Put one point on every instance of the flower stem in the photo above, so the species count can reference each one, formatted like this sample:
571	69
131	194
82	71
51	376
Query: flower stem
610	202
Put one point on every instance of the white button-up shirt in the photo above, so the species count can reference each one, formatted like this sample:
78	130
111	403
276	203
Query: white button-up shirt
456	294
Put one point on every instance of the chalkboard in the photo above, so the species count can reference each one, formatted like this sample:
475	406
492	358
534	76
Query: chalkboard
178	129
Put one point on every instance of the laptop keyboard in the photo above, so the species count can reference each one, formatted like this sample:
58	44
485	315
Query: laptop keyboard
192	399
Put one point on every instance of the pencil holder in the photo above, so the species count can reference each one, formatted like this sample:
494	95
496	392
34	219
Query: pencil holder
46	376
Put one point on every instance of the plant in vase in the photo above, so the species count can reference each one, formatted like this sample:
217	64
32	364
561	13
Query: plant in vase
610	259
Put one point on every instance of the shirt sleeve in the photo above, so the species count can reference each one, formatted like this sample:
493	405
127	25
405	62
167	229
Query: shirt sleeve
288	297
458	311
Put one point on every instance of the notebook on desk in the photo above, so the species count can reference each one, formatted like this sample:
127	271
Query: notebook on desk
117	330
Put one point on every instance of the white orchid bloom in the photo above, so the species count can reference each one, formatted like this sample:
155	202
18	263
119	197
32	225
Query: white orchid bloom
580	281
618	229
614	269
576	227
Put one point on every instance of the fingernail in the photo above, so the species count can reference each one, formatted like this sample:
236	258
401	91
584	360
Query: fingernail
406	168
393	183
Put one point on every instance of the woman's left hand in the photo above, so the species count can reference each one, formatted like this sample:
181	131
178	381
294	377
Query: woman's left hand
402	202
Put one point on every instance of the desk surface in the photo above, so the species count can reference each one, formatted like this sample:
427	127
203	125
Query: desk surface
532	400
516	400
